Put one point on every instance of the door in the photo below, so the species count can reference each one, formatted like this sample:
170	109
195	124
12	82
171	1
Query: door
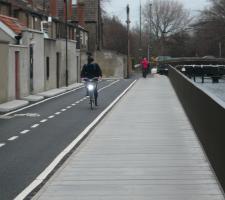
78	71
57	69
17	75
31	69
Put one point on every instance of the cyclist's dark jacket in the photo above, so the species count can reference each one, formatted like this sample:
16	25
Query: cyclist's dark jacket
91	70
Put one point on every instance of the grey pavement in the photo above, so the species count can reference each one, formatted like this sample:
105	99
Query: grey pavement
145	148
33	98
15	104
11	105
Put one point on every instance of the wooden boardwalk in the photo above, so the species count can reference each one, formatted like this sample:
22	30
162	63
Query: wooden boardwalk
144	149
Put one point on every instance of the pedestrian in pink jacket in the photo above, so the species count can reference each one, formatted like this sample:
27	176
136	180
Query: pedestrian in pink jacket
144	66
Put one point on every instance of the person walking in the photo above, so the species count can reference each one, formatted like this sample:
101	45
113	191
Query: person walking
144	66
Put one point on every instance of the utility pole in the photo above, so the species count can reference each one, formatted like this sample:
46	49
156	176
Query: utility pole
128	39
220	49
66	19
150	29
140	39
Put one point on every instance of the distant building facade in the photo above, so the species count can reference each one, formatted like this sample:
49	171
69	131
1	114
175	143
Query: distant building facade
33	50
88	13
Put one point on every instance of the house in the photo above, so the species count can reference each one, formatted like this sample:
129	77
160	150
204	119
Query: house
33	49
13	60
87	13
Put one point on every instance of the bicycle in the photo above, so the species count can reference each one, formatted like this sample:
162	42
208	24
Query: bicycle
91	86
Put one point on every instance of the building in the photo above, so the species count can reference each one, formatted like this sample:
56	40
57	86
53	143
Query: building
34	51
87	13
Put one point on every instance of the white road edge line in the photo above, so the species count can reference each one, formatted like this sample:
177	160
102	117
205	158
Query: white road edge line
56	161
15	111
35	126
24	132
2	144
13	138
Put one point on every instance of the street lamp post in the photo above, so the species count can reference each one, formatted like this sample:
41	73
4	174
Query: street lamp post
66	16
150	30
140	35
128	39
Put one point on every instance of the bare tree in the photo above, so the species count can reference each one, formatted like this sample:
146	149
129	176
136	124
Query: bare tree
210	30
114	34
216	12
168	17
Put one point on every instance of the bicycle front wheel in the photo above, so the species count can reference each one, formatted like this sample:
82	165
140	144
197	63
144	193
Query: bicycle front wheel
92	101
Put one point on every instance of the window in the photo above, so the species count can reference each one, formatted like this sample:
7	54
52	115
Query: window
74	2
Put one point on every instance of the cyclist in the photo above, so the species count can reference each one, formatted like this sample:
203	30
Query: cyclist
92	70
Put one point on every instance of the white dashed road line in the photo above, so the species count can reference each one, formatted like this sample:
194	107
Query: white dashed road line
13	138
52	116
35	126
24	132
44	120
2	144
15	111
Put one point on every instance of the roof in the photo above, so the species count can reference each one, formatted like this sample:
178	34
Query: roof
12	23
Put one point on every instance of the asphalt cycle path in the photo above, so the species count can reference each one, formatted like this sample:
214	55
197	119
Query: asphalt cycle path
33	137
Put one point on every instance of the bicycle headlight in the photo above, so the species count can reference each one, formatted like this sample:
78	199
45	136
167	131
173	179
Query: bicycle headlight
90	87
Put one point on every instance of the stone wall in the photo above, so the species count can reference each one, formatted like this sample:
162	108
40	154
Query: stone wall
4	51
50	71
91	10
6	37
92	37
111	63
72	60
36	39
23	72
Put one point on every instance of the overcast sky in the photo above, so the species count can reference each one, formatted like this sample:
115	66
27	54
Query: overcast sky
118	8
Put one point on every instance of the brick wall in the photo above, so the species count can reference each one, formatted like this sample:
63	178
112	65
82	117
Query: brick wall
61	9
92	23
91	10
4	9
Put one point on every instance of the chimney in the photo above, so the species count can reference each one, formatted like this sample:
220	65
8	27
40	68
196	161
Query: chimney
53	8
80	12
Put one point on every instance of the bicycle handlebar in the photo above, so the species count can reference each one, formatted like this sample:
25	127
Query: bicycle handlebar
91	79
